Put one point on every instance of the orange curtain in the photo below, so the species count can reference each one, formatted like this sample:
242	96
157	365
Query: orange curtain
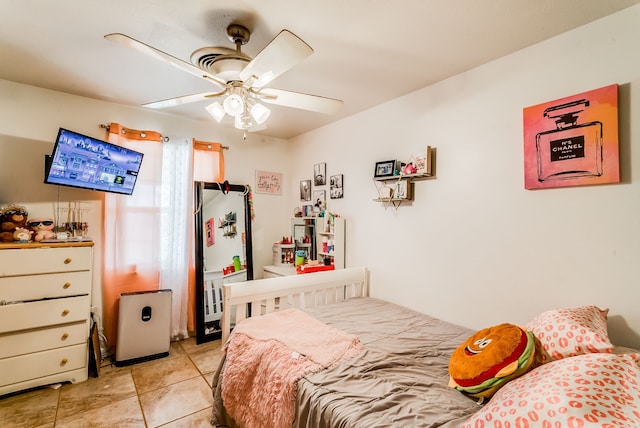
132	228
208	161
208	166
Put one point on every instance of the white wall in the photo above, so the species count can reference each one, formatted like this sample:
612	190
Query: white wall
30	118
475	247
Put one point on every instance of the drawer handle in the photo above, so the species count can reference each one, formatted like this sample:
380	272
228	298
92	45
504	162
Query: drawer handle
67	260
65	312
66	285
64	336
64	361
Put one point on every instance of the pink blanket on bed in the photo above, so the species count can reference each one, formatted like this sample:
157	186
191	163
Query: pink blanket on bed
266	356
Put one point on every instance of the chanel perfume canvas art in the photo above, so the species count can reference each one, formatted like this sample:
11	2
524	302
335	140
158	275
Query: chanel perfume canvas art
572	141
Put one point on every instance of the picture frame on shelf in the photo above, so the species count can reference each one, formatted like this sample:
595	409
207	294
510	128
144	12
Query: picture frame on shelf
422	162
384	169
336	186
402	190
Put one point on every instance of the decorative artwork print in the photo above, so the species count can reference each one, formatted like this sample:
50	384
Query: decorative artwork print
305	190
336	186
320	174
319	198
269	182
210	232
572	141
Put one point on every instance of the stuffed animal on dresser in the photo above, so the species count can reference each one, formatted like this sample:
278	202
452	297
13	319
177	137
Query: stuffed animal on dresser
42	228
22	235
11	218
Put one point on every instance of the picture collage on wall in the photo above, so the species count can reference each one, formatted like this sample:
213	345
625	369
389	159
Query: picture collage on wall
313	192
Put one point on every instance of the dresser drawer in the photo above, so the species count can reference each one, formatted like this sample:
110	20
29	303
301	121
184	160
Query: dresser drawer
39	364
30	261
24	316
32	287
14	344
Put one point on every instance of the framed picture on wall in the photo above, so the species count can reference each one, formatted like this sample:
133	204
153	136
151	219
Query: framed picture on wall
320	174
572	141
336	186
305	190
210	232
319	197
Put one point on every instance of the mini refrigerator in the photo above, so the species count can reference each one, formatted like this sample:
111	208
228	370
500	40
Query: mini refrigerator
144	324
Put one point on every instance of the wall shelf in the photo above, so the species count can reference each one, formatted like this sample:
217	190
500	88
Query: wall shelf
393	190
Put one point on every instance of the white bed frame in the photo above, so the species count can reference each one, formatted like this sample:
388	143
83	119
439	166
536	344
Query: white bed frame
295	291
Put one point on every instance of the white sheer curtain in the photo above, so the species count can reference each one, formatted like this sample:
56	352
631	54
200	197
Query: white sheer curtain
176	228
148	237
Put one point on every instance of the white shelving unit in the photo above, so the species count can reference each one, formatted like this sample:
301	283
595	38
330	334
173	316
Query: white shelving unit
331	231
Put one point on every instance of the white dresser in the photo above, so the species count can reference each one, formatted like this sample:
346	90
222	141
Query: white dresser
45	309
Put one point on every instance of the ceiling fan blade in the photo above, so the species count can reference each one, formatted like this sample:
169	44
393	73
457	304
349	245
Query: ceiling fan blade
299	100
163	56
172	102
282	53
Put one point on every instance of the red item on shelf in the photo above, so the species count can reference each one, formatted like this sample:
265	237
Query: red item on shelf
310	269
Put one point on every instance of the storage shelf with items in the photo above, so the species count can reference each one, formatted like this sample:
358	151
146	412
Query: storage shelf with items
304	236
331	239
228	225
394	180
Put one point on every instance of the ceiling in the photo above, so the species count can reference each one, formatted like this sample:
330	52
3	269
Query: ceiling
366	51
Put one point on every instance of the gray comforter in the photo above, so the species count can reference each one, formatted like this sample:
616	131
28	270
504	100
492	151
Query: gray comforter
400	380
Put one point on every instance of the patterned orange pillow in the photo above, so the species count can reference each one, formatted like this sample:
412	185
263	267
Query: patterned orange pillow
569	332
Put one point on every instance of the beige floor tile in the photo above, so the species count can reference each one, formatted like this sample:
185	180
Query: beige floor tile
29	409
206	356
122	414
201	419
163	372
112	385
176	401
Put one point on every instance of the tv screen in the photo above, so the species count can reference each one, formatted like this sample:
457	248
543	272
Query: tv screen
87	163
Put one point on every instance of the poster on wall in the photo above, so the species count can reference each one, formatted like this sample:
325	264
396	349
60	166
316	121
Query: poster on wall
572	141
269	182
210	232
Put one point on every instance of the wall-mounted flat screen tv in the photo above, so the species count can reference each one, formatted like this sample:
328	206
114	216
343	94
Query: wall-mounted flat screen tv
87	163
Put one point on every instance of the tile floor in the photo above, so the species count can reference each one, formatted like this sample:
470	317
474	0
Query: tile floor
173	391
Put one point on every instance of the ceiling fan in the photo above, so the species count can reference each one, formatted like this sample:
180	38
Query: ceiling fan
241	81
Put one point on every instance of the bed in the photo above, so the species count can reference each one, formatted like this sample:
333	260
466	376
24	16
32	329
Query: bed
395	372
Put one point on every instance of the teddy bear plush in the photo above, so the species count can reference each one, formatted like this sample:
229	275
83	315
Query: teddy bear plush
11	218
22	235
42	228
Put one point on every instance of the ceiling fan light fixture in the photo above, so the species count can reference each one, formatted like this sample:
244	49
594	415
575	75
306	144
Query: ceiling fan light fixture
260	113
216	110
243	122
233	105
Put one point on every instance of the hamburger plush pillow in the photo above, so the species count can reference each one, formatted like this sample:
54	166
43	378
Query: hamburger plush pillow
490	358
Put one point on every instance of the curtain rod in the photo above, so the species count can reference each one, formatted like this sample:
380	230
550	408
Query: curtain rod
165	139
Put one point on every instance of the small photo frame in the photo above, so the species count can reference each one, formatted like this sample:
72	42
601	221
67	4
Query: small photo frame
384	169
319	197
305	190
336	186
320	174
210	232
402	190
